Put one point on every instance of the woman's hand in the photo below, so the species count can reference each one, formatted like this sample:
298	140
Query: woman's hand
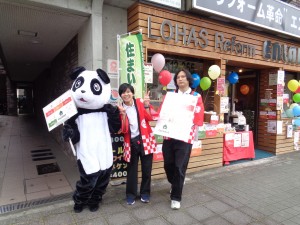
147	99
122	110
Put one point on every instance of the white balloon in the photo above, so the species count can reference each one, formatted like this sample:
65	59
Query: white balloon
158	61
214	72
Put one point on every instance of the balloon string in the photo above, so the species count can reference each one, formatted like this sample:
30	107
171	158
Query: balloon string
206	95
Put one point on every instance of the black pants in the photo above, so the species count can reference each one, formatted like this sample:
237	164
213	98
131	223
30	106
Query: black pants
176	158
91	187
137	152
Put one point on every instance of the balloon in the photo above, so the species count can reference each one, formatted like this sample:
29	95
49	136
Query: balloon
214	72
296	97
196	80
233	78
158	61
293	105
297	122
293	85
164	77
244	89
298	90
296	110
289	113
205	83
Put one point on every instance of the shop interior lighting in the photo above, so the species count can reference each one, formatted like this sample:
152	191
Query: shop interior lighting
240	70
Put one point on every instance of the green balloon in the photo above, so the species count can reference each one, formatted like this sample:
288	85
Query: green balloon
296	97
205	83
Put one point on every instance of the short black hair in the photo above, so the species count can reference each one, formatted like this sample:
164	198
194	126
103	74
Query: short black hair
123	87
188	77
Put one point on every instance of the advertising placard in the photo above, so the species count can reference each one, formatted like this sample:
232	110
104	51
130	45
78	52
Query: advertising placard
119	165
60	110
174	109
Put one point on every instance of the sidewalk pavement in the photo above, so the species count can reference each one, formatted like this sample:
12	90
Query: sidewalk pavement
265	191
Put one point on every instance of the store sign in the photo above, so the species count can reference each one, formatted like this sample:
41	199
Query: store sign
268	14
173	31
171	3
281	52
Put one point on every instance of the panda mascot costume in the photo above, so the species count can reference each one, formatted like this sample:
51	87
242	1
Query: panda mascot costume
89	130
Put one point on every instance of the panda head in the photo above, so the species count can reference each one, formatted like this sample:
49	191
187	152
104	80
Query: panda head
90	89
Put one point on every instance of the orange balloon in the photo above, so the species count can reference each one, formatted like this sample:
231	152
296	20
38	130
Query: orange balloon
244	89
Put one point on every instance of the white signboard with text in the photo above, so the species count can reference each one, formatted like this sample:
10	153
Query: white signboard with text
172	3
176	116
60	110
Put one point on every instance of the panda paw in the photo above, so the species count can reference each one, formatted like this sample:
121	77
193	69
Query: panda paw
67	132
110	109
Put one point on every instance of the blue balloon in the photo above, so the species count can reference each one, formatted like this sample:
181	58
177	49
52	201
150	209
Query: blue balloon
296	110
196	80
289	113
297	122
233	78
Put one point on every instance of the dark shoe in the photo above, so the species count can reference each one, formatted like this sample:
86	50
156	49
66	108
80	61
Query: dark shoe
145	198
94	207
78	208
130	201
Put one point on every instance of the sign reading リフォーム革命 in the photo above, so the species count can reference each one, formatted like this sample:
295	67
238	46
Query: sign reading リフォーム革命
269	14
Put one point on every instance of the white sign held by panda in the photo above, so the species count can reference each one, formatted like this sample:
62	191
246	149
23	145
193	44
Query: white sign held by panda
60	110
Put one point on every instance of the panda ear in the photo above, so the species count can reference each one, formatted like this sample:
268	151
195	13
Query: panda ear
76	72
103	75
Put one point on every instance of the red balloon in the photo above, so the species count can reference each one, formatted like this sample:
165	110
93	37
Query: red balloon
164	77
298	90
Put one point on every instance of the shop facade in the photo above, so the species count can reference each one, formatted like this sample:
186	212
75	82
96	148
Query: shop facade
190	41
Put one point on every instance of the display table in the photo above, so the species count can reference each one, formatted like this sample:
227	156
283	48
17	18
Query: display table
238	145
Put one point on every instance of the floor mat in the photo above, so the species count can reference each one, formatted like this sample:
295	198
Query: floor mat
259	154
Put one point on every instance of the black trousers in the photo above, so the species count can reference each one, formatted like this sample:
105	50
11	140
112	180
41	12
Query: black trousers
137	152
176	158
91	187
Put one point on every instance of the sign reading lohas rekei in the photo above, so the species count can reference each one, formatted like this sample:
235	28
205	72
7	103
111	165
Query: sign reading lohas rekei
199	37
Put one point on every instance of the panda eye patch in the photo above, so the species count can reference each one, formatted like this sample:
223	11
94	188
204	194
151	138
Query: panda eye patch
96	87
78	83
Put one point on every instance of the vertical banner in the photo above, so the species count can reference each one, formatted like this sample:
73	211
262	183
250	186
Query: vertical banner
132	62
119	165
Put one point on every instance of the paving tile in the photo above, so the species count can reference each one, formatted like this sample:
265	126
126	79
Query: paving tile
144	213
120	218
217	220
61	190
178	217
217	206
56	181
289	222
156	221
59	219
38	195
237	217
36	185
12	198
200	213
94	221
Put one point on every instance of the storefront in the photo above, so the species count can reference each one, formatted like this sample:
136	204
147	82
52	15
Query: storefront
189	41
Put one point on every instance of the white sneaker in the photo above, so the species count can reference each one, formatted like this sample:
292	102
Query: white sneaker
175	204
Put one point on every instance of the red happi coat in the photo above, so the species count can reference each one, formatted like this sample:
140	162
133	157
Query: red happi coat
145	130
198	117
